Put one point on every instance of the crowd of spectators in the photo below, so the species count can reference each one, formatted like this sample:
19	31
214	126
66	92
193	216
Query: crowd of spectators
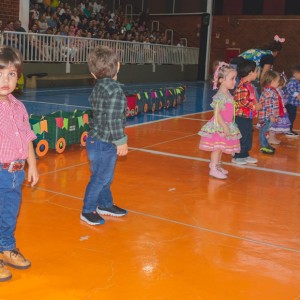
92	20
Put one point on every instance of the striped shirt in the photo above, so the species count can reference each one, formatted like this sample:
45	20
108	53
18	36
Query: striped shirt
15	130
292	91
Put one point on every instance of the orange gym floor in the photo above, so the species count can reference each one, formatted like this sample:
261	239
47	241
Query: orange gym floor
187	236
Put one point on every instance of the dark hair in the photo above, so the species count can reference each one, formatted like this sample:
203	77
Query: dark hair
296	69
103	62
245	67
11	56
273	46
269	77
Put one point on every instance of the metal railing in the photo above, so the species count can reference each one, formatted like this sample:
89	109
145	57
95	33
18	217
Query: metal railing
66	49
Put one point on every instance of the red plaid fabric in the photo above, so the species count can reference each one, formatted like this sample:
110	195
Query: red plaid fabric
245	99
15	131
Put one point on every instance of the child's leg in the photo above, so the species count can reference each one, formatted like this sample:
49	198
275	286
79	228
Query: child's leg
292	113
10	198
214	165
225	172
272	138
245	127
102	158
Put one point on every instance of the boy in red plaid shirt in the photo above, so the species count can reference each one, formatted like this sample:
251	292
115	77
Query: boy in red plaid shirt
15	148
246	107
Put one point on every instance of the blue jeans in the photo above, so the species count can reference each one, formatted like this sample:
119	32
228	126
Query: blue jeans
10	199
262	134
103	157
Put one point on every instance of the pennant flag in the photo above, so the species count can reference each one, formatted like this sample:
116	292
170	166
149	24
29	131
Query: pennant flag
155	94
66	123
167	93
146	95
44	126
80	121
161	93
152	95
36	128
139	96
85	118
59	122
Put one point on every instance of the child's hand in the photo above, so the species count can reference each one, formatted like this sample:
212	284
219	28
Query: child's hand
258	106
33	175
298	97
122	150
273	119
226	130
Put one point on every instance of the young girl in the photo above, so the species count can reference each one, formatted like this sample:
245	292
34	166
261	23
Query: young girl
283	124
221	134
270	111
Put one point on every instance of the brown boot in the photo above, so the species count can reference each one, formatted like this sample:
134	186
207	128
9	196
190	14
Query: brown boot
5	274
14	258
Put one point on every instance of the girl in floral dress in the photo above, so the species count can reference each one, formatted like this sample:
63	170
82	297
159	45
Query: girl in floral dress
220	134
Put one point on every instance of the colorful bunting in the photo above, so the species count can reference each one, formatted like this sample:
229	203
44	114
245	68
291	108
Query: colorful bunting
44	126
36	128
66	123
80	121
59	122
85	118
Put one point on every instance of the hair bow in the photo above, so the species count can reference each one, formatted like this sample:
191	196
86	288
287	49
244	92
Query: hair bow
216	74
278	39
283	76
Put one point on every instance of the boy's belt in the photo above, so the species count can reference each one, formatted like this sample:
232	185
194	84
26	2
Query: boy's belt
13	166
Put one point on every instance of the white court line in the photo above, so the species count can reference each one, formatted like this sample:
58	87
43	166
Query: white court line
207	160
166	119
200	228
50	103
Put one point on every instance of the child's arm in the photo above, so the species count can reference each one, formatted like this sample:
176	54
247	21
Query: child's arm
221	121
33	175
115	116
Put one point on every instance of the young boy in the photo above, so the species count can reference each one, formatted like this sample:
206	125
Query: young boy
15	148
106	138
246	110
293	98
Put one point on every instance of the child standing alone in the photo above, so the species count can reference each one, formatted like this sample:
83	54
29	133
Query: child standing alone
269	114
16	147
221	134
107	138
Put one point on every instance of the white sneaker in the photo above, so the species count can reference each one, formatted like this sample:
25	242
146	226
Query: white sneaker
251	160
239	161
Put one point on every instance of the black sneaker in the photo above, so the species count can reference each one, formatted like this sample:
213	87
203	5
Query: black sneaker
92	218
292	134
272	148
113	211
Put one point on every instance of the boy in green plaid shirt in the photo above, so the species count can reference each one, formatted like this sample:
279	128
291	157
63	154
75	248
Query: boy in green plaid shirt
106	139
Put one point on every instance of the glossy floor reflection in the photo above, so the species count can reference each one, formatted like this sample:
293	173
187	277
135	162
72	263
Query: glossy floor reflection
187	236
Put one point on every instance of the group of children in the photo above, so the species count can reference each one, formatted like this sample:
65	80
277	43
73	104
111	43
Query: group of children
105	142
231	128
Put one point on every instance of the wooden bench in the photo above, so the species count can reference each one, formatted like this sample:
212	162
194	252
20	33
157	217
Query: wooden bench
32	81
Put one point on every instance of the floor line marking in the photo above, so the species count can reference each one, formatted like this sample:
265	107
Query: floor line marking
208	160
200	228
166	119
160	143
63	169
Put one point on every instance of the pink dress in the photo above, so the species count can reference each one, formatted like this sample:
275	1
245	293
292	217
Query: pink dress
212	134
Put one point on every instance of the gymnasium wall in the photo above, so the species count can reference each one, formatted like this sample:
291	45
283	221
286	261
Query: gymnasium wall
9	11
247	32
